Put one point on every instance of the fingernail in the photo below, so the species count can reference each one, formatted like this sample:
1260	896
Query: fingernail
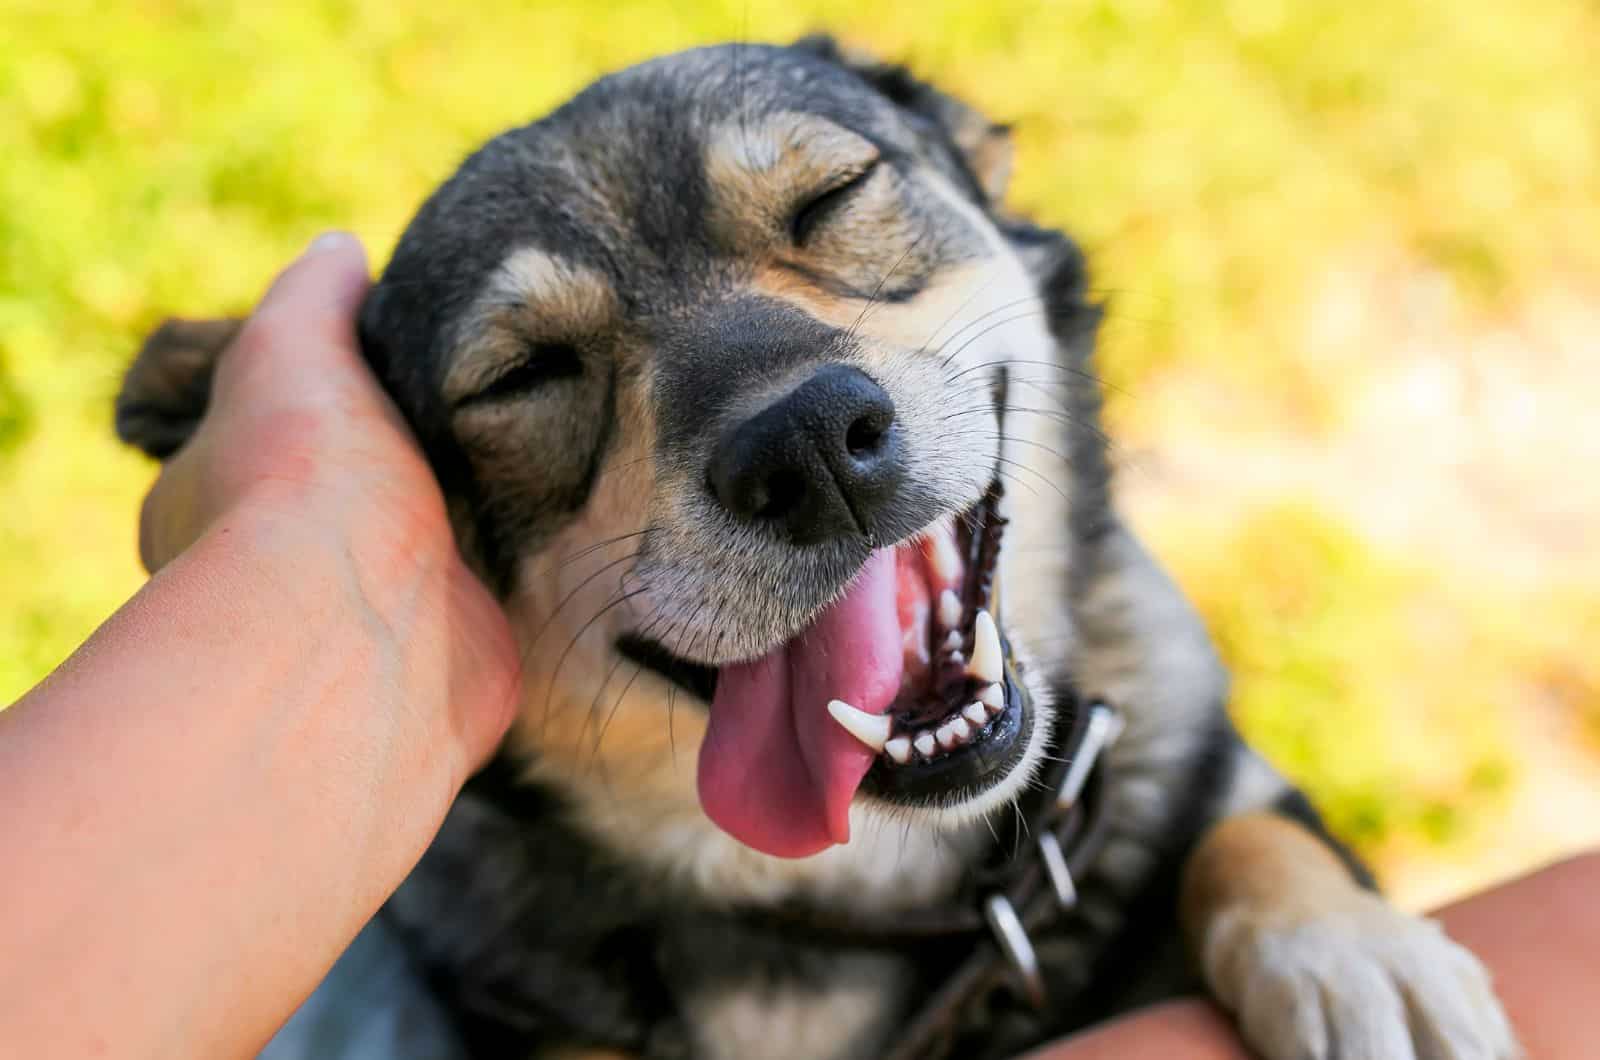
330	241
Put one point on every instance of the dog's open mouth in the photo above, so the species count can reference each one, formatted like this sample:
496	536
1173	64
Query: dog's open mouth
903	689
961	718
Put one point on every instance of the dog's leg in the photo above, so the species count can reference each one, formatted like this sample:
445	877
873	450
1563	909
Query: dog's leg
1315	964
1282	923
166	389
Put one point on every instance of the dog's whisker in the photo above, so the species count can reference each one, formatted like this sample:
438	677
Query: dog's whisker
1012	439
985	322
569	597
977	289
985	317
1077	373
601	735
576	637
596	547
657	615
996	325
872	301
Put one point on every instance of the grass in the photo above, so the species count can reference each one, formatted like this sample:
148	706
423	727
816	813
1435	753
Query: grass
166	156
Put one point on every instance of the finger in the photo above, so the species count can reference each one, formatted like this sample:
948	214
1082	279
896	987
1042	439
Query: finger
309	310
169	517
324	286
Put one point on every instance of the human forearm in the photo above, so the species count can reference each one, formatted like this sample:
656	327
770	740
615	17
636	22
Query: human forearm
246	720
1539	936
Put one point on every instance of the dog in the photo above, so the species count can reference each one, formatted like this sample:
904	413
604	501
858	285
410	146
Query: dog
778	437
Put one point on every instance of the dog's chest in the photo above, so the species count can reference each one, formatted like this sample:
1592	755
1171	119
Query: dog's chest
754	996
524	916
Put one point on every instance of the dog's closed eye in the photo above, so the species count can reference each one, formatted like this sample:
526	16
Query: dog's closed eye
541	363
826	203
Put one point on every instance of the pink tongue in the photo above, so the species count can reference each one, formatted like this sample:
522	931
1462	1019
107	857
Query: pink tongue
776	771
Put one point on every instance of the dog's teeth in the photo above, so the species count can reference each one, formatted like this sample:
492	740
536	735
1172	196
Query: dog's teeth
975	713
986	665
957	658
949	610
952	642
960	731
993	697
925	744
899	749
946	560
946	734
870	729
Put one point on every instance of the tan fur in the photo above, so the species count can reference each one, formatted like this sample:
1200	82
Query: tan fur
759	171
787	285
1314	966
989	153
532	297
1262	864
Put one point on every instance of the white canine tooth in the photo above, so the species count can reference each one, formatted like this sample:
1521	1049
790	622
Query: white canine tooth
952	642
946	560
870	729
949	609
986	664
947	734
899	749
975	713
960	730
924	743
993	697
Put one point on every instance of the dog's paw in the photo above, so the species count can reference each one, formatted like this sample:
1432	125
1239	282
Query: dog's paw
1361	982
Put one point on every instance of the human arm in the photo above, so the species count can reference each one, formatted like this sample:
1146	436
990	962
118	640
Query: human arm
1539	936
201	807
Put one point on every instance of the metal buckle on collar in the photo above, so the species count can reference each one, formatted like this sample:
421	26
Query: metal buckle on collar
1055	867
1015	944
1102	730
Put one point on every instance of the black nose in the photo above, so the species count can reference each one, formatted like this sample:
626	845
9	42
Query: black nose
819	463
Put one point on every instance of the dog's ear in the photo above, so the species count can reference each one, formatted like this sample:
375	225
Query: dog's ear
165	392
982	146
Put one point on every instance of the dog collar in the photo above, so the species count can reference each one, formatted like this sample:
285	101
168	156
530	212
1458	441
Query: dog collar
1022	891
985	935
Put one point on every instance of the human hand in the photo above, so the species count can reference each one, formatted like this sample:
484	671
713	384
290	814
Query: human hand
258	746
298	434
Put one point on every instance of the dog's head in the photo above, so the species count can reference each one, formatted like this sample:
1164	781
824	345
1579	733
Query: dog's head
726	366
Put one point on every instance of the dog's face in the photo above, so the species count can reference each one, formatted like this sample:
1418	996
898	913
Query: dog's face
714	362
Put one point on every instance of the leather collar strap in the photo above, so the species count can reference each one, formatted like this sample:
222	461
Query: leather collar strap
1022	891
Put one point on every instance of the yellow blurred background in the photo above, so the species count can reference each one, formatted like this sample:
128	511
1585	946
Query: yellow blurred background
1351	254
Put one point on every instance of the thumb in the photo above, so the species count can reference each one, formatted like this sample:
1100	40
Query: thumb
309	309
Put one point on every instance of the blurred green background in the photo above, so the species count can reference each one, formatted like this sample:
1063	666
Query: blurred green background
1350	253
